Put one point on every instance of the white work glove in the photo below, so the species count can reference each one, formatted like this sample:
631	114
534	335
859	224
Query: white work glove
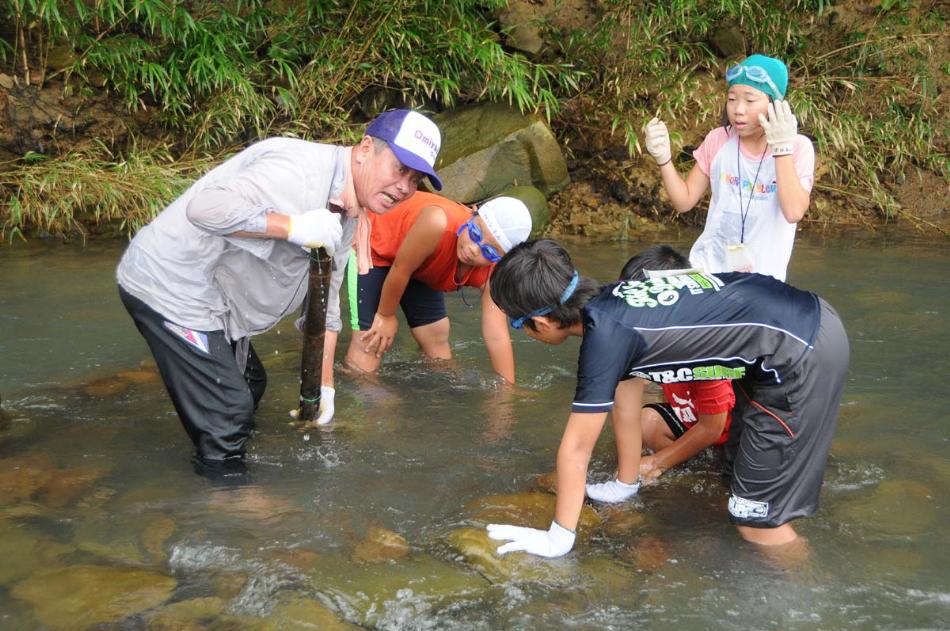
781	127
613	491
554	542
327	395
657	140
316	229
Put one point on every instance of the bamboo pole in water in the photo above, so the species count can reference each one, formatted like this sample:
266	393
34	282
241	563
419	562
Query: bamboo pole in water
314	332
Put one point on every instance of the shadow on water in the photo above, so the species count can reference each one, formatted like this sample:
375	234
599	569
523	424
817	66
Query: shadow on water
376	520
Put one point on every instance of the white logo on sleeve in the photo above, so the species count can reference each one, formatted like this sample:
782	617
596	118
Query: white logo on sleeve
747	509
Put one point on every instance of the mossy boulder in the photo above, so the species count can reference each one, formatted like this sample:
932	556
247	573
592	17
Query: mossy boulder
372	590
537	205
24	551
81	596
535	510
490	147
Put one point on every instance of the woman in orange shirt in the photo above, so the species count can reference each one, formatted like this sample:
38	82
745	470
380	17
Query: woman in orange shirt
427	245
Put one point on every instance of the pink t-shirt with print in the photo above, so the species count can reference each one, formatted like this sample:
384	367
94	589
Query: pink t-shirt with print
744	205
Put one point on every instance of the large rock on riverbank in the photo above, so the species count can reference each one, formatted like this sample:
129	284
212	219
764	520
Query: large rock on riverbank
490	147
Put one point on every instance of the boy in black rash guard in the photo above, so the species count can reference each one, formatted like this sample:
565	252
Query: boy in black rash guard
785	349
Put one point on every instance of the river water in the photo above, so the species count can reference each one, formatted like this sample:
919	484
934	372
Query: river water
103	522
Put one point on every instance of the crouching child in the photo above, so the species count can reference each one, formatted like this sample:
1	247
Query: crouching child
784	348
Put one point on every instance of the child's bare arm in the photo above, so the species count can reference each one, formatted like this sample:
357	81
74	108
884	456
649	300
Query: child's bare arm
497	337
684	194
781	130
793	198
698	437
420	242
628	400
573	456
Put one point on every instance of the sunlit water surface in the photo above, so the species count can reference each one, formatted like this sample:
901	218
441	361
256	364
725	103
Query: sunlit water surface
95	472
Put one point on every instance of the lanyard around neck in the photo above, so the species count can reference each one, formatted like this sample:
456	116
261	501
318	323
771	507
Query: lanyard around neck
745	213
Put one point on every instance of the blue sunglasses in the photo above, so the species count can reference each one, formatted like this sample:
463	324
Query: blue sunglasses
475	234
517	323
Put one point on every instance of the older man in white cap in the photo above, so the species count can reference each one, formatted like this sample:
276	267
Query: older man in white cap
224	262
426	246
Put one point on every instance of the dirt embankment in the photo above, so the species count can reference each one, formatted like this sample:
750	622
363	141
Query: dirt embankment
612	195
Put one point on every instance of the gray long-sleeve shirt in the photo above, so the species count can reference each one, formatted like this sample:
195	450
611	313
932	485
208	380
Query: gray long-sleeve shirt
184	267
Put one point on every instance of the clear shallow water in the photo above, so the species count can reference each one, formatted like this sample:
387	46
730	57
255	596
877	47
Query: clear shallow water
108	483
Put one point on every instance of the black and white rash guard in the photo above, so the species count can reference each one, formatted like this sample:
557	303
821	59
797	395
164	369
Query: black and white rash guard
692	327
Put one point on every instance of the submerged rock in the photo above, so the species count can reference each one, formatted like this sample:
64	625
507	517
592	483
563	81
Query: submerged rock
375	592
67	485
23	476
156	533
647	554
298	558
546	482
895	507
381	545
305	613
24	550
535	510
106	387
479	552
598	575
138	376
228	585
622	521
80	596
186	615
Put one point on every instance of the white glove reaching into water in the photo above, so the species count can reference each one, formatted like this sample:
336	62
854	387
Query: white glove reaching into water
316	229
613	491
780	128
327	394
554	542
657	140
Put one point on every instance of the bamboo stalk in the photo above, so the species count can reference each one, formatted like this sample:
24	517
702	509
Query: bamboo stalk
314	332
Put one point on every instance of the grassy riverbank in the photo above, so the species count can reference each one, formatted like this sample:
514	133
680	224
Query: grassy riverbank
152	93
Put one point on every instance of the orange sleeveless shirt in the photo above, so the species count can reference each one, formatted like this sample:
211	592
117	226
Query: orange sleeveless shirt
438	270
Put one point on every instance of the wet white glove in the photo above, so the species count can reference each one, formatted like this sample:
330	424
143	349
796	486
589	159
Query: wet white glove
316	229
327	395
613	491
657	140
554	542
781	127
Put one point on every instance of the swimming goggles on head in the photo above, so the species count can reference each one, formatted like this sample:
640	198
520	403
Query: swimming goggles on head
475	234
755	73
517	323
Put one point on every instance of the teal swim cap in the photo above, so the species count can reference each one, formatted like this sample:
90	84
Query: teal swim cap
762	73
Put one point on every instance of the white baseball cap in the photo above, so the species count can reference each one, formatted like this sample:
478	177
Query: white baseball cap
508	219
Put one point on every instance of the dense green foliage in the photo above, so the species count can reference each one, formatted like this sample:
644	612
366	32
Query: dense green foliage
223	73
868	96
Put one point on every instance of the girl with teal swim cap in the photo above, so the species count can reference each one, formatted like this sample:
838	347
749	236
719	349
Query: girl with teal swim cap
759	168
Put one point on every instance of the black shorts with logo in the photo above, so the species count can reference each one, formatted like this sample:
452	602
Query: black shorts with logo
780	434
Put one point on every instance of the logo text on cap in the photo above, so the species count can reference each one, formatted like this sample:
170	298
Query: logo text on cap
421	137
